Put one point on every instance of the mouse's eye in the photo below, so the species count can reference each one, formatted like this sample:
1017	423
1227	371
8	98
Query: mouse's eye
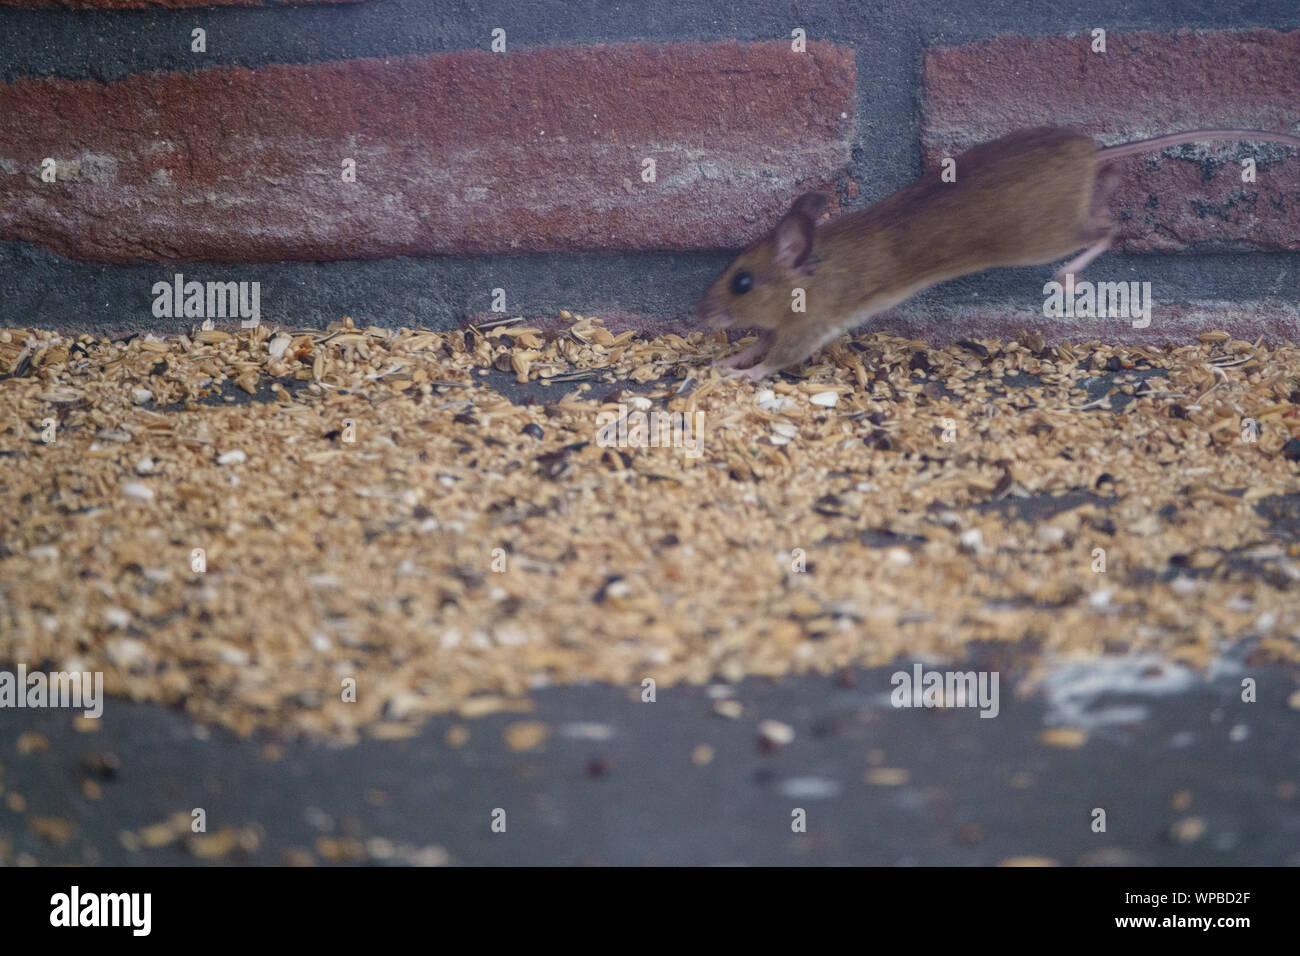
741	283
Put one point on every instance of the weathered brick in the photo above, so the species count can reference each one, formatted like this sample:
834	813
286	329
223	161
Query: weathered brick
1146	84
463	153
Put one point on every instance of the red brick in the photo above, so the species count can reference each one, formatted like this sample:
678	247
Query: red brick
469	152
1147	84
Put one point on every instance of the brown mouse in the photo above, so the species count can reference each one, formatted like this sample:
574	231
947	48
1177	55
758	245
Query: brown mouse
1031	197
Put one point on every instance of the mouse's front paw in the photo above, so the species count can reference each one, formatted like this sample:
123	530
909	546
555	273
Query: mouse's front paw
731	361
748	355
755	373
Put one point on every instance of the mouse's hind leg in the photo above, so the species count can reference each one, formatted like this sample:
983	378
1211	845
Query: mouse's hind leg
1075	265
1101	230
1105	186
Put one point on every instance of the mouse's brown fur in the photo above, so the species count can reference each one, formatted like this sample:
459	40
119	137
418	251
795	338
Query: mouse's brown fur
1024	199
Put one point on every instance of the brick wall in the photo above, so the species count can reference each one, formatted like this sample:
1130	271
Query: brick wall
540	150
527	170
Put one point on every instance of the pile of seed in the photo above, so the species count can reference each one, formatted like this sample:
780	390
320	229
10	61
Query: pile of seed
262	525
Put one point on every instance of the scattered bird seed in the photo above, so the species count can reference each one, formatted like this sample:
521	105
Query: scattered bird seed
462	569
775	733
133	489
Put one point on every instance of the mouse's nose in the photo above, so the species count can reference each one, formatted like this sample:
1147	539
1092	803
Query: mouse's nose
707	313
701	310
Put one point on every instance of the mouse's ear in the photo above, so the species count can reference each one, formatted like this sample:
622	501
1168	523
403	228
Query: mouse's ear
793	236
811	205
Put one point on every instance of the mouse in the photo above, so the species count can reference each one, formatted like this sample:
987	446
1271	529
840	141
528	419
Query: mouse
1031	197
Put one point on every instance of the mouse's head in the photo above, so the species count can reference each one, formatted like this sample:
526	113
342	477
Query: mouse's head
754	290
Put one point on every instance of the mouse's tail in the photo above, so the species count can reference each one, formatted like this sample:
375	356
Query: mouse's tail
1195	136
